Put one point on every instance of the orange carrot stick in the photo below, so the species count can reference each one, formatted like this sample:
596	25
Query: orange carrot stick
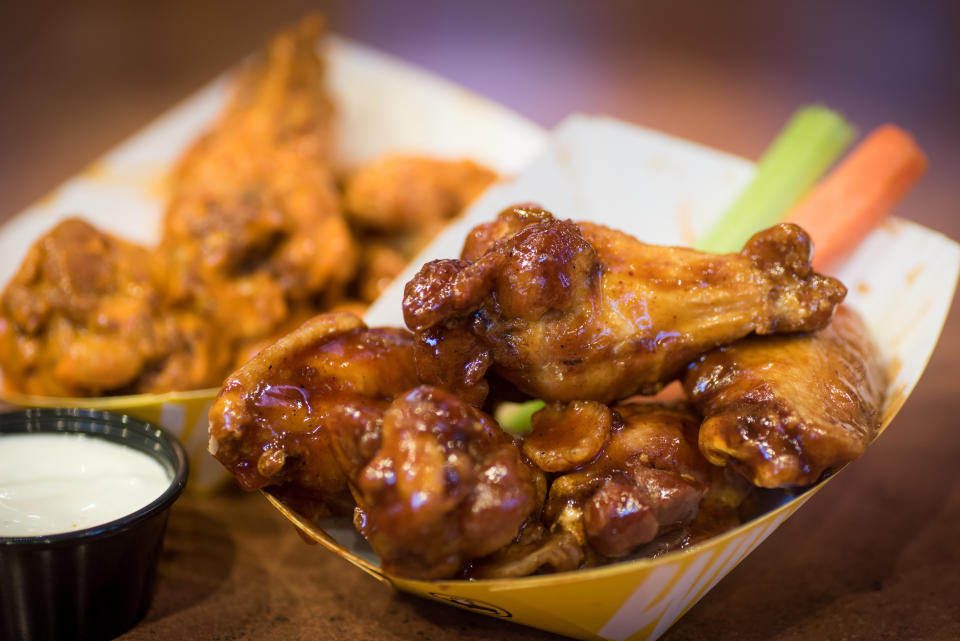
858	194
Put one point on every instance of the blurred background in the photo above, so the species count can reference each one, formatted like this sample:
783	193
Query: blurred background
77	78
874	556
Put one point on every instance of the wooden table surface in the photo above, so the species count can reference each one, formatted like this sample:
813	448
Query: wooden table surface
875	555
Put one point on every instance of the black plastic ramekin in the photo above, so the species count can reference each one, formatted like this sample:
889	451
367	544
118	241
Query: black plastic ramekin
94	583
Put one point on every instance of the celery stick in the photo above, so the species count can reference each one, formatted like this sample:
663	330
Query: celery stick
515	417
813	138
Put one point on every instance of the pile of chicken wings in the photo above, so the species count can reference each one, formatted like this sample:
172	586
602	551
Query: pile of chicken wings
261	231
396	425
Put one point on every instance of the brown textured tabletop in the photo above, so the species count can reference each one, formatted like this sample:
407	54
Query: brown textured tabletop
875	555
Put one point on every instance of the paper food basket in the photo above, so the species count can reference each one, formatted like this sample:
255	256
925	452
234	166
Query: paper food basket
123	192
660	189
667	191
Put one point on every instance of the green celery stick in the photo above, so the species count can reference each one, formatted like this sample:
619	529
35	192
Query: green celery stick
806	147
515	417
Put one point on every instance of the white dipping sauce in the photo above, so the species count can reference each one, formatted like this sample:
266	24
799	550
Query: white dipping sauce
54	483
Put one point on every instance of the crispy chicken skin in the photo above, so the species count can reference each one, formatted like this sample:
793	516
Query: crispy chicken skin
648	478
571	311
196	354
782	410
305	412
254	229
446	486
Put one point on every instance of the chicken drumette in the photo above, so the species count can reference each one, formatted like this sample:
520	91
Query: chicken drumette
570	311
78	317
625	476
331	416
305	412
446	486
647	478
781	410
82	317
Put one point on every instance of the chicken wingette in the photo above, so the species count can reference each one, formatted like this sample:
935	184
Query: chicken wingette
782	410
254	231
576	311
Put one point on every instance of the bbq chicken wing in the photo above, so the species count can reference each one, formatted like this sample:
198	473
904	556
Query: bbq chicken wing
254	230
783	410
648	478
728	501
331	418
446	486
570	311
305	412
629	481
79	317
82	317
536	550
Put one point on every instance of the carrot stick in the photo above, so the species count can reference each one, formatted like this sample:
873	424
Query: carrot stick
800	154
859	193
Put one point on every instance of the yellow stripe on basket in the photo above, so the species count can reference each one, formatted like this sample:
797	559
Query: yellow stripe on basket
640	620
590	604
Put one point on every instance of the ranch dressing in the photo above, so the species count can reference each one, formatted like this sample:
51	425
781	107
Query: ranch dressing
54	483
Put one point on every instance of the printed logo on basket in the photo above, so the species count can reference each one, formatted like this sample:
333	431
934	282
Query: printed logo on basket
481	607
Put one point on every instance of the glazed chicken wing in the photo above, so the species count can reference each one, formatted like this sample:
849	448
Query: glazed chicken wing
648	478
570	311
536	550
332	414
446	486
783	410
630	482
79	317
83	317
728	501
305	412
254	229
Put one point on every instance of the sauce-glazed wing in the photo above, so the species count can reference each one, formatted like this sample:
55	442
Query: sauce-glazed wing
627	480
83	316
80	315
305	412
446	486
536	550
570	311
729	501
254	229
648	478
783	410
330	418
